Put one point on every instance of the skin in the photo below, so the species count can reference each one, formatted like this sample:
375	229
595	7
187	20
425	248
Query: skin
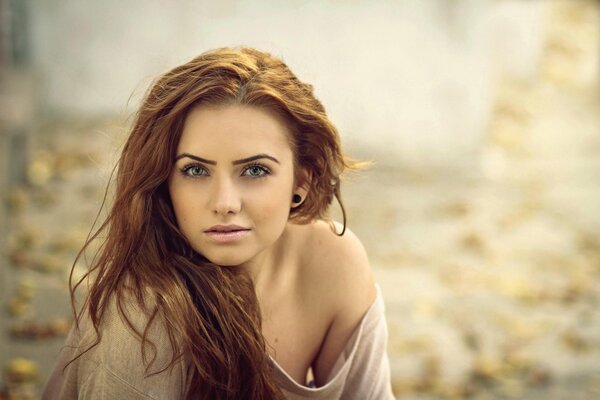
302	273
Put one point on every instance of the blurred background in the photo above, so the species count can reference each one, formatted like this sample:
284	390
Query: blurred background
481	215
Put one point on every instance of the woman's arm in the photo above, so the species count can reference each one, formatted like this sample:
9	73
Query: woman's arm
115	368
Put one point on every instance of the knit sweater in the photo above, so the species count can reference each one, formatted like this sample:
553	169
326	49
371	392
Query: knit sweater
114	369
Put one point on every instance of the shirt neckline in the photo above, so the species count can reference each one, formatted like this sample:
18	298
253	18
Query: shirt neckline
340	364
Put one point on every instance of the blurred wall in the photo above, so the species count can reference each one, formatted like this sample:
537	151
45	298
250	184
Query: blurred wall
410	80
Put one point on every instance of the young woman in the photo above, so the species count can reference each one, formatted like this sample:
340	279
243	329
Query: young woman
220	275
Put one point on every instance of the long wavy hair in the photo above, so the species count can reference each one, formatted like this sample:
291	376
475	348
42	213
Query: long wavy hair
210	312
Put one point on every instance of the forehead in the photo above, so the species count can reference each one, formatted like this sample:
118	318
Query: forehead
235	130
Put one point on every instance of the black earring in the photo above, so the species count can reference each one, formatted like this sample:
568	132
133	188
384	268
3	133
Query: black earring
297	198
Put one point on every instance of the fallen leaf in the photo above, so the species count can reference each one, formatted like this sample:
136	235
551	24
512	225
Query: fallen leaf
40	331
19	258
472	241
17	307
574	341
40	170
16	200
485	370
26	290
539	376
49	263
21	370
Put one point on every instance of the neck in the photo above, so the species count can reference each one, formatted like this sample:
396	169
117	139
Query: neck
265	269
261	268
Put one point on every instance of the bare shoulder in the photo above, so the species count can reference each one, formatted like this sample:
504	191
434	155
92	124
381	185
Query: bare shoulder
339	275
338	264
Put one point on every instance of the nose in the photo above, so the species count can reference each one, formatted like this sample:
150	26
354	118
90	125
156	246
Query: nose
225	197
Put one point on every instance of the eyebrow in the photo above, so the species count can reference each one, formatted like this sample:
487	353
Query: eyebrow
236	162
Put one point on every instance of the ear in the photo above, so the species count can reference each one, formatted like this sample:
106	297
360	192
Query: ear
301	188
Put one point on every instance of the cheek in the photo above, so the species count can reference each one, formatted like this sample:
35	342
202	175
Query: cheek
271	214
275	198
183	212
182	206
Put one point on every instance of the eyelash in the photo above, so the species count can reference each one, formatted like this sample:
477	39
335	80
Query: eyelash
185	171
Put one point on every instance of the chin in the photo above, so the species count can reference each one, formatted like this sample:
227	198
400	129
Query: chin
225	260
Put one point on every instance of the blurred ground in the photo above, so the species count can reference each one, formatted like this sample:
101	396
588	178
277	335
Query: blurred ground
490	273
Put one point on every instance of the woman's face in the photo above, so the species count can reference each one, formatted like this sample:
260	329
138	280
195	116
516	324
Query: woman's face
232	182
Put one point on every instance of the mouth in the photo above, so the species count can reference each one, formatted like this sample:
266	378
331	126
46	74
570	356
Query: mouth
226	234
226	229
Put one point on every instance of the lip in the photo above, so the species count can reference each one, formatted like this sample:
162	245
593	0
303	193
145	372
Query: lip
225	228
226	233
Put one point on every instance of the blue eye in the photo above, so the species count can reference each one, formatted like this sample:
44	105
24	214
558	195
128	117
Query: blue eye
194	170
256	171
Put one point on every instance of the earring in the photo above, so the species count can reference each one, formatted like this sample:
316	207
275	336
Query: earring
297	198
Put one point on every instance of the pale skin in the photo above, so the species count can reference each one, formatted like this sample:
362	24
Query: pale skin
312	285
